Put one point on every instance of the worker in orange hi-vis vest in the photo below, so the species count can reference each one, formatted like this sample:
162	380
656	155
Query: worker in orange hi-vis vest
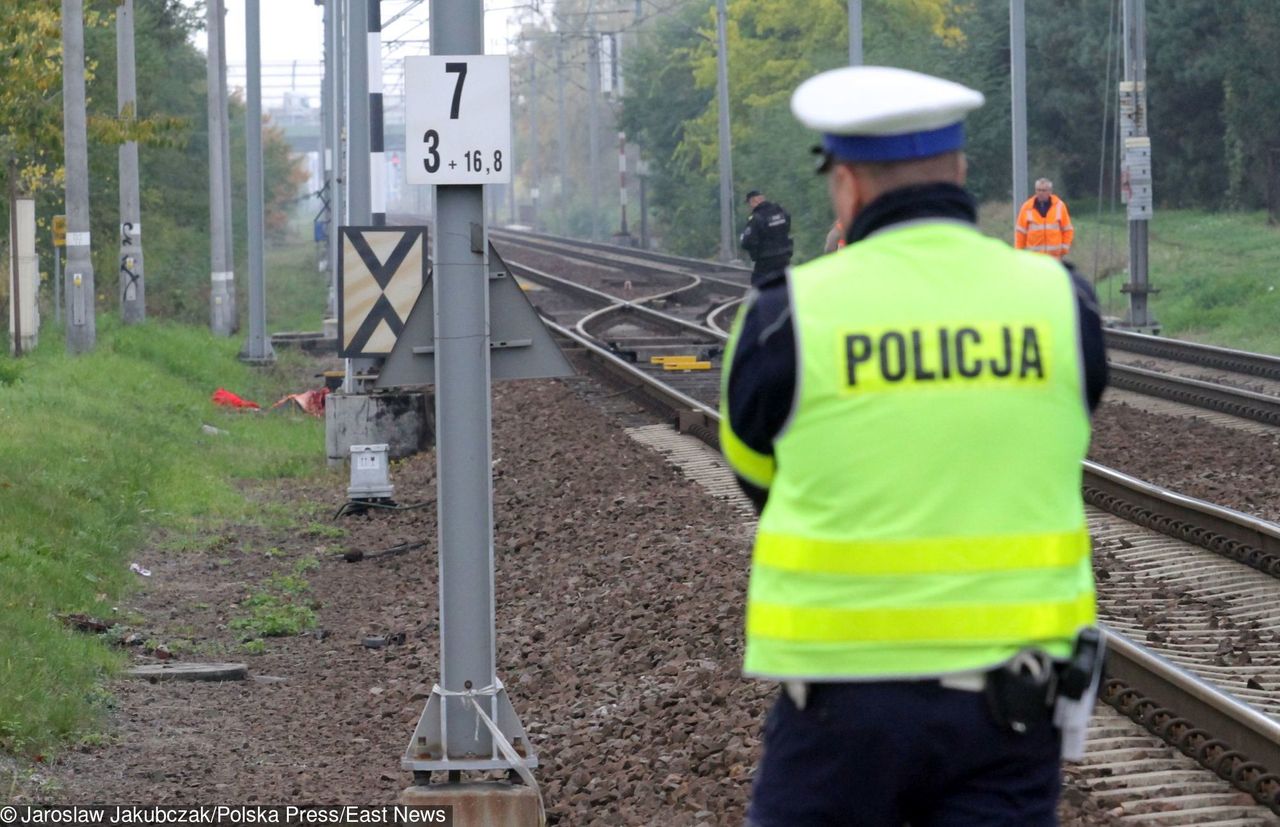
1044	225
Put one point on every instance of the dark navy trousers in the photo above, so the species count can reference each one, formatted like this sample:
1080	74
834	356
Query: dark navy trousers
893	753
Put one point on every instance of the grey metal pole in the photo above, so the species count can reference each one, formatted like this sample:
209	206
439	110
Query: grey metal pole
228	192
257	349
337	114
855	32
82	329
727	246
377	151
593	126
1135	73
358	189
1018	72
562	136
463	420
133	304
222	273
535	149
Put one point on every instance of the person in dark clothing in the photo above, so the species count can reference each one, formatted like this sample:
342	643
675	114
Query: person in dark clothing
767	238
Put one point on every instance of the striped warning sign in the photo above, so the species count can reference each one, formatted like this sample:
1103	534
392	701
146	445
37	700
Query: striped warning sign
382	270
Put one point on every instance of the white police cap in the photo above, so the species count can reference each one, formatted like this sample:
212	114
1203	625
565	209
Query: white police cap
879	113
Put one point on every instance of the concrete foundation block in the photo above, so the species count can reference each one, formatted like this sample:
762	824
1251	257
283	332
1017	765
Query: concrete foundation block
404	420
479	804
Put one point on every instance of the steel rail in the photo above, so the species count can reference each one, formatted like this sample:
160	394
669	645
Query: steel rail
1212	356
1208	395
613	303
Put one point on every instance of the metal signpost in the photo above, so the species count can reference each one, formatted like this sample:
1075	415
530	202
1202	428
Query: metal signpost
457	119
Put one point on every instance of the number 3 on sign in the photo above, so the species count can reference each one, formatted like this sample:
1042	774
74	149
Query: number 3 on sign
458	119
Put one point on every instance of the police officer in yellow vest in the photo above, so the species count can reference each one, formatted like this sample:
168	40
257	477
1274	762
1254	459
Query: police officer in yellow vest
910	414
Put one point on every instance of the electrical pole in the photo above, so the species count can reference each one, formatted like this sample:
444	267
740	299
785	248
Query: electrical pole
727	246
1018	72
326	144
82	329
534	149
593	125
622	181
642	172
337	111
257	349
562	135
377	151
133	305
15	280
855	32
222	288
1136	162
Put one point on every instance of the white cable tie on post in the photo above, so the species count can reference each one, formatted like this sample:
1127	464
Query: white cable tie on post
504	746
78	239
222	275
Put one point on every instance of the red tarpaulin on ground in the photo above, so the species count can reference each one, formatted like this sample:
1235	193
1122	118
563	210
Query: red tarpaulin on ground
311	402
226	398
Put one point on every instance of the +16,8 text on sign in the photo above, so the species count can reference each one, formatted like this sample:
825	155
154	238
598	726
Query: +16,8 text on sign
458	119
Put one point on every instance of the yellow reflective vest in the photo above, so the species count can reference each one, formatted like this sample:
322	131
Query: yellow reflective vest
924	512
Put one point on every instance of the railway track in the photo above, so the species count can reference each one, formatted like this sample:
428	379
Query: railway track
1186	589
1238	389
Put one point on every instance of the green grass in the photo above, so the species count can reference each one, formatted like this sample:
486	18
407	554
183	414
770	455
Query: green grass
297	292
97	450
1216	272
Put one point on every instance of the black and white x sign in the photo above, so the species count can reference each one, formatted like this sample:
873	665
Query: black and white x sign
381	272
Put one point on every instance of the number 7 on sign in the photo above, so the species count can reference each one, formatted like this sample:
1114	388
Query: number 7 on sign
458	119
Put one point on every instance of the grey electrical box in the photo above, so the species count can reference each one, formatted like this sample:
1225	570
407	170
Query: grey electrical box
370	478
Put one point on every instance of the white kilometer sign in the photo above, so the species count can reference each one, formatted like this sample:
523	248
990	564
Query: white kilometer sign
458	119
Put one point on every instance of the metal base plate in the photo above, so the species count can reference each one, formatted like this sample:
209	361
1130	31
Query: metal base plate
427	751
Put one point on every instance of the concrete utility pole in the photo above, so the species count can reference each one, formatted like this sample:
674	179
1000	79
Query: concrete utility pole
15	271
257	349
622	181
222	287
337	114
82	328
562	134
593	125
228	193
535	154
855	32
1136	162
728	248
1018	72
377	151
133	305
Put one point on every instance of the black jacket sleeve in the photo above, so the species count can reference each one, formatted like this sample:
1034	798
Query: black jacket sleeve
1093	347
